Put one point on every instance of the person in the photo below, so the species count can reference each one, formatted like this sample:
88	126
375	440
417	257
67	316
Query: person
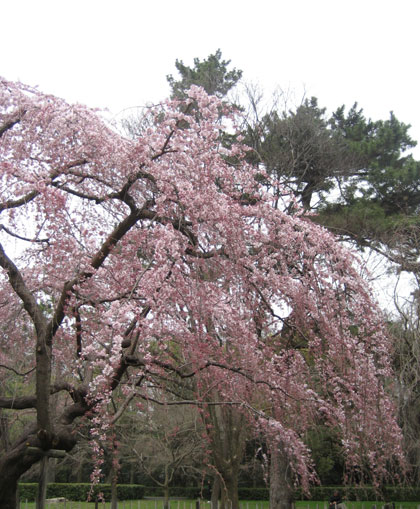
336	502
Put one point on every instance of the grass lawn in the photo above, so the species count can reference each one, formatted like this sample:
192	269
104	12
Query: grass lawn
191	504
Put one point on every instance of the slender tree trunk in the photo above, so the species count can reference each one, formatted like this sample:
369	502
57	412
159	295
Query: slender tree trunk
215	492
231	486
166	496
114	498
228	438
281	488
224	499
131	472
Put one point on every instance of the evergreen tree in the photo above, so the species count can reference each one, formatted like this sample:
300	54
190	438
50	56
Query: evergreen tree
212	74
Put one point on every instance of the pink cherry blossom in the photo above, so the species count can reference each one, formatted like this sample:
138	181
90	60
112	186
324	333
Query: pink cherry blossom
146	260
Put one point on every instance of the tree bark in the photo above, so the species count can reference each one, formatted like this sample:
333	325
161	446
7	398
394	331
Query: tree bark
19	459
228	436
4	431
281	487
166	497
230	500
12	465
215	492
114	498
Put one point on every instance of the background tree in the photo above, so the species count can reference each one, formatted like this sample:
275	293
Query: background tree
405	328
227	429
299	148
212	74
165	440
378	205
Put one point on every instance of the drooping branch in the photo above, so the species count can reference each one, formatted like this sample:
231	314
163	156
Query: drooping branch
17	372
16	236
183	373
30	196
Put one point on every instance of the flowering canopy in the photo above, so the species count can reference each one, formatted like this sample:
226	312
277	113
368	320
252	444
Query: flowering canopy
163	257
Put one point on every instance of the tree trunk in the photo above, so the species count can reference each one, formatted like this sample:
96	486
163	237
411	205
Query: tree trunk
131	472
13	464
19	459
228	438
4	431
114	498
215	492
17	499
231	491
281	488
166	497
10	498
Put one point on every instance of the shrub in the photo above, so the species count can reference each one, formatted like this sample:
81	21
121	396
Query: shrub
80	491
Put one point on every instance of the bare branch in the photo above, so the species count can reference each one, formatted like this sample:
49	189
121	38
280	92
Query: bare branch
15	235
17	372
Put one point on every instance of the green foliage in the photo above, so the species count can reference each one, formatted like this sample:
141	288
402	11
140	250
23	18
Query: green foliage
356	493
380	197
80	492
327	454
300	149
360	220
212	74
254	493
28	491
190	492
309	151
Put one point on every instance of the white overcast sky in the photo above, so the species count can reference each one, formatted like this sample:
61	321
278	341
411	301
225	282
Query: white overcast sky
116	54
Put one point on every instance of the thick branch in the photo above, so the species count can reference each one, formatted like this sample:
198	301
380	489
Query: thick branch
18	285
10	204
24	402
13	120
20	403
97	261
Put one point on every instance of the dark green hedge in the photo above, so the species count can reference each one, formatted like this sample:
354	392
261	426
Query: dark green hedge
190	492
253	493
80	492
354	493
